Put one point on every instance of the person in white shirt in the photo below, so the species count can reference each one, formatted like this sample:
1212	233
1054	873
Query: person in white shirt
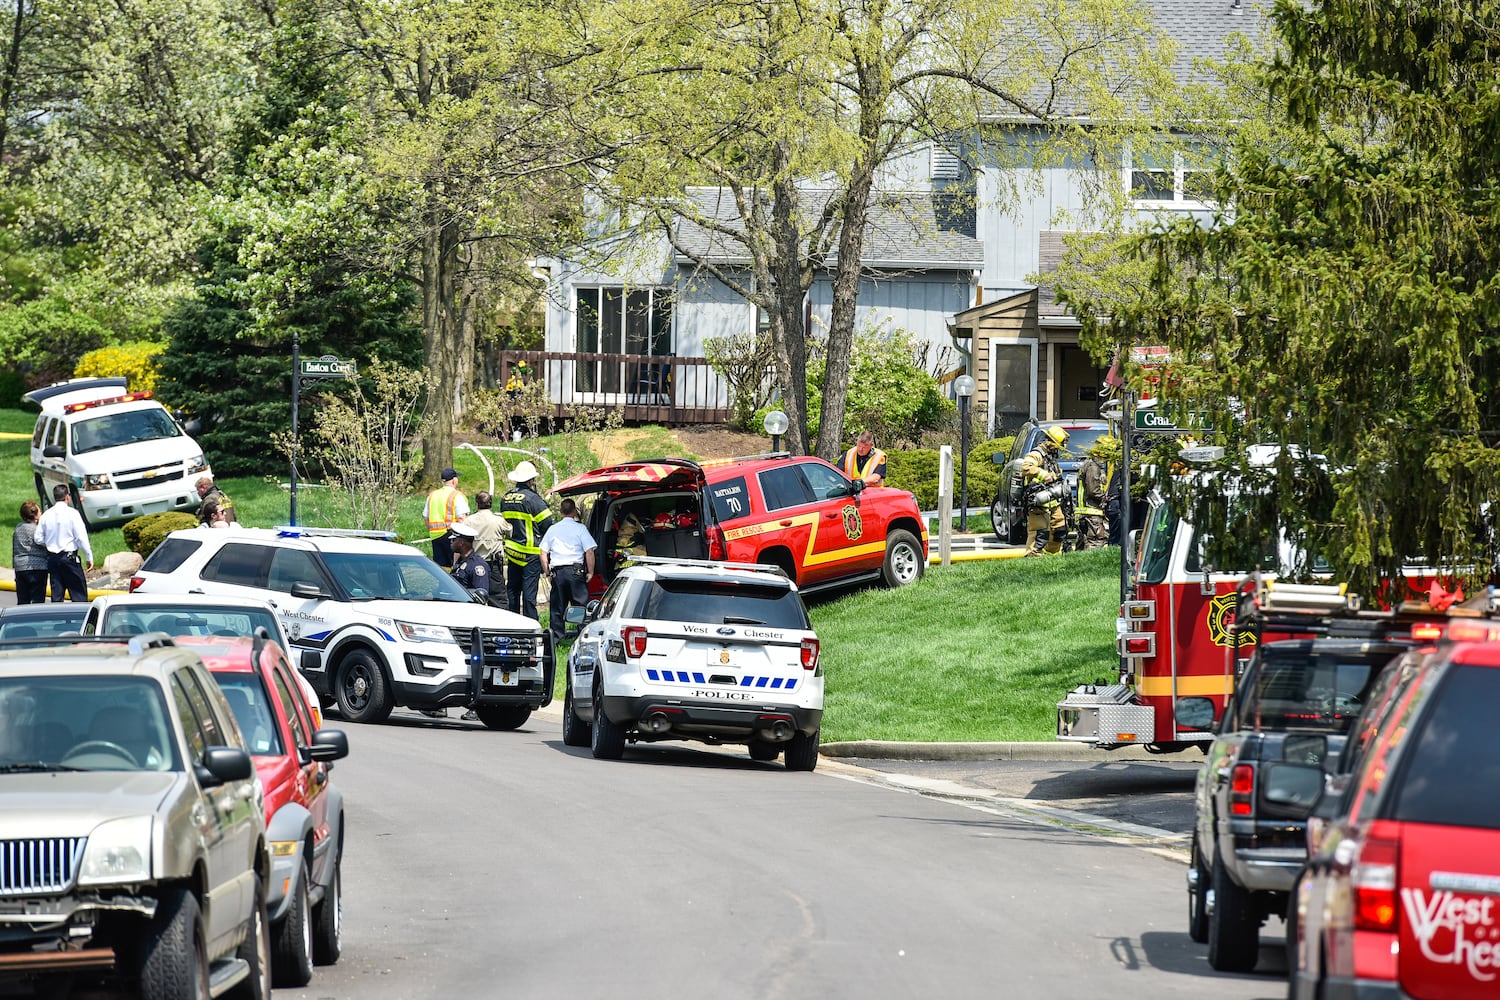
64	536
568	560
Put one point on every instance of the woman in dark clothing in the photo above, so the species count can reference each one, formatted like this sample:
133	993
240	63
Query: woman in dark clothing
28	557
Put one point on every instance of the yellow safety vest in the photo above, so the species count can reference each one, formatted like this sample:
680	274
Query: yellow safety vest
445	499
874	460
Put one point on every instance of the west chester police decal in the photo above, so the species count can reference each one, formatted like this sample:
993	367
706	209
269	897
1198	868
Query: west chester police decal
1219	617
854	526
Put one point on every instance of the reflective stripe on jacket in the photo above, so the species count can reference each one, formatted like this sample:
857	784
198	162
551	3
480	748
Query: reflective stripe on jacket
529	516
445	499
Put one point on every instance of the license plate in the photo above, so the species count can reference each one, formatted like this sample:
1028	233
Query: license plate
723	658
501	677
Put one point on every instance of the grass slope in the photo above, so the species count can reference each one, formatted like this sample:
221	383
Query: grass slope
978	651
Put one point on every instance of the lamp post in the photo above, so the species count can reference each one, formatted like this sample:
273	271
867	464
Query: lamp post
963	387
776	424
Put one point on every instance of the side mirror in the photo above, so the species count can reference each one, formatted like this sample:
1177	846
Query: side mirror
479	595
329	745
221	764
308	592
856	487
193	428
591	610
575	615
1194	713
54	451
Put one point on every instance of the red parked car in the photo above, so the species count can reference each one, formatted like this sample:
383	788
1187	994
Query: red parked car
304	811
1402	897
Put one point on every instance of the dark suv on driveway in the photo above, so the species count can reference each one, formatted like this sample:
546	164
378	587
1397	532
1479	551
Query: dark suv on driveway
1008	513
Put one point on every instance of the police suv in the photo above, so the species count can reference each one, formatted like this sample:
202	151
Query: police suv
683	649
371	624
121	454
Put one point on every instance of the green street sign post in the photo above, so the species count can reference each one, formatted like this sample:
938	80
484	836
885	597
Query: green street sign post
1167	422
325	367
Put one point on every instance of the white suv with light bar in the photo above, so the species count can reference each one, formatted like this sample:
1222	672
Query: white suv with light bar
121	454
683	649
371	624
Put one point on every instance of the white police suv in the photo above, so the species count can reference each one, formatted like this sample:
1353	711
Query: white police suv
681	649
372	624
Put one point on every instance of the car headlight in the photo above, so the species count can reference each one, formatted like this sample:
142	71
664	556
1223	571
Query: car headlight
197	465
99	482
118	851
412	632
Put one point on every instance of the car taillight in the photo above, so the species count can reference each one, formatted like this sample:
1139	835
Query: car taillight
635	641
716	547
1426	631
136	581
809	654
1373	877
1242	790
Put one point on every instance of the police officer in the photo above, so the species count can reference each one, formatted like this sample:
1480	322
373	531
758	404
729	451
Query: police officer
1046	524
568	560
529	518
469	567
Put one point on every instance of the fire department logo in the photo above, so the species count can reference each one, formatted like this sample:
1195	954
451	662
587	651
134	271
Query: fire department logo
854	526
1219	617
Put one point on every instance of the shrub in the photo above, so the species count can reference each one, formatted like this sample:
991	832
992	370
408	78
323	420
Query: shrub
137	362
917	471
143	534
890	394
744	361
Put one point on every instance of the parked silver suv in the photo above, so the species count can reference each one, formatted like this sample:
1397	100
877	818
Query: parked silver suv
132	827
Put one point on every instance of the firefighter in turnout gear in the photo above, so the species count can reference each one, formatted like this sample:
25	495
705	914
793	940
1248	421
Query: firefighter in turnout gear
1046	491
529	518
1094	477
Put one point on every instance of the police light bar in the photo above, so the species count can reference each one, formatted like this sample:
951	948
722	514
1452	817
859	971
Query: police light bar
1472	631
298	531
129	397
1426	631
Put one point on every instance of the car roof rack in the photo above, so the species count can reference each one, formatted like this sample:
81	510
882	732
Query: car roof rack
304	531
137	644
1328	610
709	564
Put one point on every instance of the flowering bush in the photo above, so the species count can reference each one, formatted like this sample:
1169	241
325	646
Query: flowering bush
136	361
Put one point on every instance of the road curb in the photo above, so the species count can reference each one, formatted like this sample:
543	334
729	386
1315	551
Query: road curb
1044	751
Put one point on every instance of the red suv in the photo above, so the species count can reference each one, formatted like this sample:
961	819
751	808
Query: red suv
304	811
799	513
1402	897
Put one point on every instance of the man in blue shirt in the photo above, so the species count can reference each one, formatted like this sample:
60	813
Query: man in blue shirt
568	560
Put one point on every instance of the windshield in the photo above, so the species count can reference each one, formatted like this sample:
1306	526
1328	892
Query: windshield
383	576
43	625
246	694
711	603
1080	440
1309	690
83	723
1156	544
177	620
130	427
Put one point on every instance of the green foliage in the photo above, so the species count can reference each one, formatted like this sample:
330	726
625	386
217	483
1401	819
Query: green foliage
890	395
744	361
137	362
917	471
143	534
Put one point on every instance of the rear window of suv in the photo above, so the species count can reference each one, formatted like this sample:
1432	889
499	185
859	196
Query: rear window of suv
170	554
1452	763
1308	690
709	603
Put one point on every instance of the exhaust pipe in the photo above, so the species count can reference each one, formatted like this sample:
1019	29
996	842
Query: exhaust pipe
656	722
780	732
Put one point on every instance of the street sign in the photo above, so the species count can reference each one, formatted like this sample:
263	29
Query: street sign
327	366
1168	422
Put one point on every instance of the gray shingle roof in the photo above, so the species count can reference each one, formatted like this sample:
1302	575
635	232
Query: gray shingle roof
904	231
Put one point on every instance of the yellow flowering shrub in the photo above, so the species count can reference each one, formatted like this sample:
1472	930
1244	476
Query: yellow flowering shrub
136	361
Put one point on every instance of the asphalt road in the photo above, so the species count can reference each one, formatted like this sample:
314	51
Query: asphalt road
484	864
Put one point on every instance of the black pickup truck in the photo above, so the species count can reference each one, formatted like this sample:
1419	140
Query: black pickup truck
1294	703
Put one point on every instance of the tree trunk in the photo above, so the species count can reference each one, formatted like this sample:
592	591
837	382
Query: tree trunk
788	330
856	210
442	341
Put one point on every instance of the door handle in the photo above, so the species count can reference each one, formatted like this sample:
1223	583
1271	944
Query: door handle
196	590
832	515
786	524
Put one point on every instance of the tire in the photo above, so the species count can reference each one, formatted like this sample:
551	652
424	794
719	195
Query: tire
999	523
1198	898
802	751
173	963
1234	926
760	750
503	717
575	731
903	559
360	689
292	950
255	951
606	738
328	917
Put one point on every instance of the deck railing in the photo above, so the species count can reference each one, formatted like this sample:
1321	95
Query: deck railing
649	388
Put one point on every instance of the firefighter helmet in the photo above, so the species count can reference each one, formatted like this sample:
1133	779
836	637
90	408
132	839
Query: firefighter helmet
1057	435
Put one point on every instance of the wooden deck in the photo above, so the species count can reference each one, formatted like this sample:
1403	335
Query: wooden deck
648	389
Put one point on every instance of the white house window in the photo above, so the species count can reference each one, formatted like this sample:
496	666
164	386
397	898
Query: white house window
1165	178
620	321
